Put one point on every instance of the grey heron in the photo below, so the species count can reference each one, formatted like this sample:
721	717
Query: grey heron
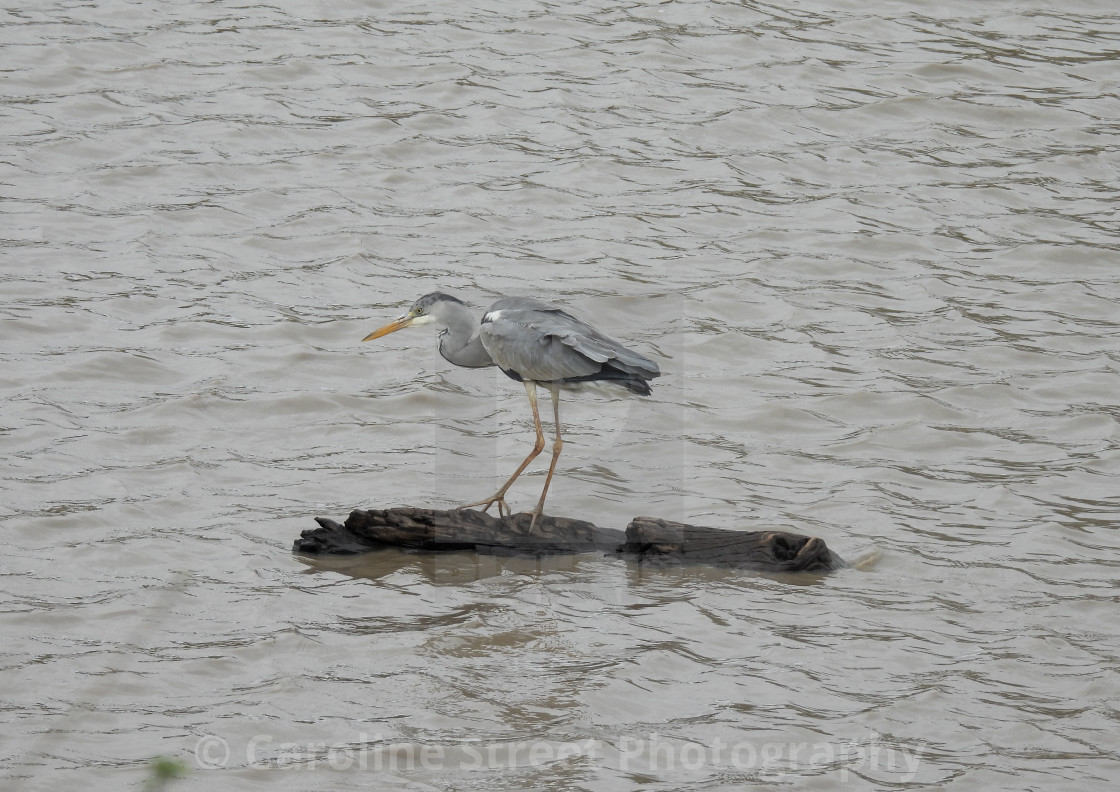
535	343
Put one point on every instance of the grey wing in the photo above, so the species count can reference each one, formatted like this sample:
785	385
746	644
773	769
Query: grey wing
539	341
525	349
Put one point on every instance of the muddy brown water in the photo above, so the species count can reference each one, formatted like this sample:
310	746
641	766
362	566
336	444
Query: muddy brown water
874	247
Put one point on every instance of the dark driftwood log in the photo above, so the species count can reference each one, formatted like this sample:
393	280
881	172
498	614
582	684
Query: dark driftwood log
431	529
646	539
649	539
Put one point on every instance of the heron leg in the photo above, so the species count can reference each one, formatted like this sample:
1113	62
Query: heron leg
499	497
557	445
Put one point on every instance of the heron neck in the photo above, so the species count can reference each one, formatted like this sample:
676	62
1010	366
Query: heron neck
460	344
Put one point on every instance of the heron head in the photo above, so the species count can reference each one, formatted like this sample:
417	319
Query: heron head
424	311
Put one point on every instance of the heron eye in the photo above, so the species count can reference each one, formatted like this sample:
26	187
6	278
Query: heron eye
419	311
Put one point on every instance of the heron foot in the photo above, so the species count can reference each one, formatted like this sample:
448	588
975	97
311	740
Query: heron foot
498	497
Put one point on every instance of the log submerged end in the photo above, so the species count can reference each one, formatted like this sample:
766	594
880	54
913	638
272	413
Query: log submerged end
645	540
651	539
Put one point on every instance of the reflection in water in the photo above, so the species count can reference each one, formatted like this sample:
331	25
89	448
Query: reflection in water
448	569
457	568
874	250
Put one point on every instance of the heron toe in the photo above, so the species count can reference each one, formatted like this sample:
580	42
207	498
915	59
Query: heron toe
503	508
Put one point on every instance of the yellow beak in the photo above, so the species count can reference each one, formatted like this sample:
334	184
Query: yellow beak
393	326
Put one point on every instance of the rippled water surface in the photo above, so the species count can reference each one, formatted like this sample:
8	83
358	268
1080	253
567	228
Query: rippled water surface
874	247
